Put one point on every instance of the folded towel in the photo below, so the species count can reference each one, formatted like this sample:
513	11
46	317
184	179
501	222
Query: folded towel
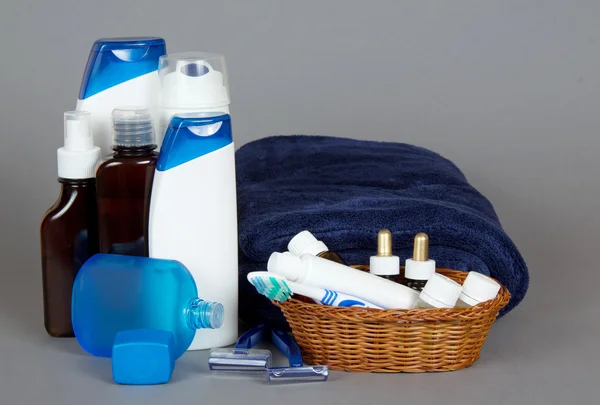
344	191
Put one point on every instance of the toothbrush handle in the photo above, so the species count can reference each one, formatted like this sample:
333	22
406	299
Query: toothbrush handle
337	299
329	297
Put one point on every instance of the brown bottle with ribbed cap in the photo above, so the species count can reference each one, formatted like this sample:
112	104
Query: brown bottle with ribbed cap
124	184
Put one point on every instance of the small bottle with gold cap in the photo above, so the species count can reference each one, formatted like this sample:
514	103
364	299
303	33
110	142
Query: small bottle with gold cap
420	268
385	264
305	242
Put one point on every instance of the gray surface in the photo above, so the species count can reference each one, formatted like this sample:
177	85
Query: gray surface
509	90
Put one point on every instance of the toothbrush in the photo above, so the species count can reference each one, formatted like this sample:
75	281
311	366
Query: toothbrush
277	288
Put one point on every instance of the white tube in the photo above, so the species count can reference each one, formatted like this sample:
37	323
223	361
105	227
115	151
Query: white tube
318	272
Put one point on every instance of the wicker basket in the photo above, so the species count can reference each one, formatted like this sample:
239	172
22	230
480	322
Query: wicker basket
372	340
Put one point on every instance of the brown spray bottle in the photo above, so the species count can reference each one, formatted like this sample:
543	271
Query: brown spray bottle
69	229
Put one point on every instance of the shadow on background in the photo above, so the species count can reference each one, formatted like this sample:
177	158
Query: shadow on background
99	368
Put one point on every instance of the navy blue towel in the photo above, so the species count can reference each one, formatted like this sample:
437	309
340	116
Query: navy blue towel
344	191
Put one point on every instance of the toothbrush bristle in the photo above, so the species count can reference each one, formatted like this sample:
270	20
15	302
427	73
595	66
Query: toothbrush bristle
274	282
272	288
272	293
255	282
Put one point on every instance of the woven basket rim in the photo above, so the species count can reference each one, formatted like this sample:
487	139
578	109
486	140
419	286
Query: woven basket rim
368	315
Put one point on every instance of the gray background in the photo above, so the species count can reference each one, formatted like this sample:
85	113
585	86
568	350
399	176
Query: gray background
508	90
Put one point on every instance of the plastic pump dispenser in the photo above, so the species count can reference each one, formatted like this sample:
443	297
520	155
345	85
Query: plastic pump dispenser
439	292
305	242
119	71
114	293
476	289
385	264
318	272
78	158
420	268
191	82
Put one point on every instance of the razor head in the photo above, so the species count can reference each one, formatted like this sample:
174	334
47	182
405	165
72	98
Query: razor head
239	361
286	375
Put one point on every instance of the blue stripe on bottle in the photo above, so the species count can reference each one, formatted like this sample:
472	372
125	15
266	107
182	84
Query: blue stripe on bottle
324	299
333	298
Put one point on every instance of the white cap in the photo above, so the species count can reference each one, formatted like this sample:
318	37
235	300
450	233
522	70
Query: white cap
441	292
287	265
384	265
478	288
305	242
193	80
417	270
78	158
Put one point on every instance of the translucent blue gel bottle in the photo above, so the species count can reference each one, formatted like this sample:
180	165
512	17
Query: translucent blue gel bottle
113	293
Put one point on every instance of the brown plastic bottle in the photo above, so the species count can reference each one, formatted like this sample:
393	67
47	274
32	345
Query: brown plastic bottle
124	184
68	231
68	238
334	257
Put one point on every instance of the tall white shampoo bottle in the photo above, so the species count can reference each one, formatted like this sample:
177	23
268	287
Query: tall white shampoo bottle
191	82
119	72
193	213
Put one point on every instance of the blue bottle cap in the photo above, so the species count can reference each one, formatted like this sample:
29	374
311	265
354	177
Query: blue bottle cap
143	357
116	60
192	135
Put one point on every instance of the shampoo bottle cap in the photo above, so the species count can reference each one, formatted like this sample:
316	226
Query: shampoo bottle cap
78	157
305	242
192	135
193	80
478	288
441	292
113	61
132	127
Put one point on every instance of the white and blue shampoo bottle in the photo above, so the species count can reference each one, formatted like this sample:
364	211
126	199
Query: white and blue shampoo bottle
119	72
193	213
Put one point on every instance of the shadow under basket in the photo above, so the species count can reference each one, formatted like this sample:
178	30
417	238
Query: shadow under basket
393	340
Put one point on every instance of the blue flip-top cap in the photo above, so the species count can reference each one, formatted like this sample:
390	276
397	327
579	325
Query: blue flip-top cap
192	135
143	357
115	60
